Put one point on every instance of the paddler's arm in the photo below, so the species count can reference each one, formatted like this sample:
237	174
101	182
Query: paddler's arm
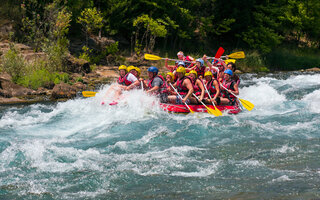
133	85
207	61
236	89
200	84
155	88
216	85
187	83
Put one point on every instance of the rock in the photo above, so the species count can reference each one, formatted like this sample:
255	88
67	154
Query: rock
315	69
5	76
76	65
63	90
79	86
12	100
9	89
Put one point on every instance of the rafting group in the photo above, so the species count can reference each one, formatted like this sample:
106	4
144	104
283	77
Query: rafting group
189	81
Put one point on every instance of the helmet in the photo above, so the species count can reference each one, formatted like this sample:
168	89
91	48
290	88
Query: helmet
138	70
182	70
153	69
180	53
201	61
228	71
122	67
208	73
181	63
193	72
131	67
171	74
187	74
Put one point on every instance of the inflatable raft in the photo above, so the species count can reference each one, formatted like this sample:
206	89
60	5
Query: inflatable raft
181	108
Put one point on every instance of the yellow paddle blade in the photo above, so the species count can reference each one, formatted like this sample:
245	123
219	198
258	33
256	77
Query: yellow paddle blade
191	111
217	111
151	57
230	60
247	104
88	93
238	55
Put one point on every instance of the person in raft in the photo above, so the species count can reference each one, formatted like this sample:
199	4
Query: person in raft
231	86
197	85
122	73
216	67
233	68
155	84
169	80
187	59
213	88
184	87
199	68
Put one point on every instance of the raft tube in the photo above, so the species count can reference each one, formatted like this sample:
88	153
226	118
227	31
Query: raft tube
181	108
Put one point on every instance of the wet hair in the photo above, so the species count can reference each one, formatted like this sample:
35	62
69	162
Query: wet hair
233	66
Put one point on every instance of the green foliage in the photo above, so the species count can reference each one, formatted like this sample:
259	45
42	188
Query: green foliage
86	54
253	62
42	78
13	63
91	20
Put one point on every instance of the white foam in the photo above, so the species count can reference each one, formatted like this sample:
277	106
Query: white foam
285	149
313	101
282	179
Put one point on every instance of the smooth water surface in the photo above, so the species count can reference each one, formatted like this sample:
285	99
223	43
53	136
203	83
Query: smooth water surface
81	150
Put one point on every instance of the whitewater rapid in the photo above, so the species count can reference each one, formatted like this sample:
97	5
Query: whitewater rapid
81	149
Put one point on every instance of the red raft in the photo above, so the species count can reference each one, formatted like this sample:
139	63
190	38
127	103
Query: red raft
181	108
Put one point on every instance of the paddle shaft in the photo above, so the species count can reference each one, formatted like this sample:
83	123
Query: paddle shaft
229	91
180	96
199	100
205	87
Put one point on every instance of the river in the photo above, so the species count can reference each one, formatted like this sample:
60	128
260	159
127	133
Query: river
80	149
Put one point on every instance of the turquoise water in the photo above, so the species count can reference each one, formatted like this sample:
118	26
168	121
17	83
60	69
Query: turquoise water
81	150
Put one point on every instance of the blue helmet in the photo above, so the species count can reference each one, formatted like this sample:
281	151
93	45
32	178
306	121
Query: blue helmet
201	61
181	63
228	71
153	69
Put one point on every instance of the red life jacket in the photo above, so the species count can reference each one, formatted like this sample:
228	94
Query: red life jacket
126	81
188	64
182	89
211	88
121	80
229	86
200	71
196	89
162	87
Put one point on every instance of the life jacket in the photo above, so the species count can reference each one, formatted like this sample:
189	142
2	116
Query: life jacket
182	89
200	71
162	87
121	80
126	81
211	88
196	89
188	64
229	86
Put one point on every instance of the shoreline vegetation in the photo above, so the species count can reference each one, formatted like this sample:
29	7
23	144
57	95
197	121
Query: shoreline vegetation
51	50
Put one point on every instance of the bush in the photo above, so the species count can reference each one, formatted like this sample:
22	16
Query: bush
253	62
13	63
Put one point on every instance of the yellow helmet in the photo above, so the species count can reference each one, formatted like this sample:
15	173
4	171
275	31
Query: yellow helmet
208	73
187	74
182	70
131	67
122	67
138	70
193	72
171	74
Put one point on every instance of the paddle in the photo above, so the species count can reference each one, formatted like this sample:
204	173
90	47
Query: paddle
230	60
236	55
191	111
154	57
247	104
209	110
88	93
216	110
